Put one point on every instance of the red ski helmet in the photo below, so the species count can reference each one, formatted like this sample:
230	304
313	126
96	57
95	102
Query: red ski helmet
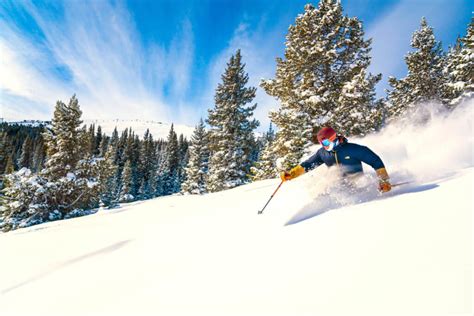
324	133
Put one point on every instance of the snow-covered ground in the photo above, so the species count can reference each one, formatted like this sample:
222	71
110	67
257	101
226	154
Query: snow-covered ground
314	251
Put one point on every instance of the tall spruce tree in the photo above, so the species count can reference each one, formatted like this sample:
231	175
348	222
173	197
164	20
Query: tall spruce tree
183	146
127	182
107	179
98	142
63	141
197	167
231	128
424	81
322	80
459	69
147	165
265	167
170	165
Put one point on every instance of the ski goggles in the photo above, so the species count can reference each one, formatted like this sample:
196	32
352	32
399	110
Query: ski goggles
327	141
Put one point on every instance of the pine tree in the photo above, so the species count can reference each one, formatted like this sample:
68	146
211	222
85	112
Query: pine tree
265	167
459	69
157	180
3	151
322	80
137	176
39	154
170	167
98	142
26	158
425	78
63	150
231	128
146	166
197	167
68	185
10	167
107	179
103	146
183	147
91	141
126	190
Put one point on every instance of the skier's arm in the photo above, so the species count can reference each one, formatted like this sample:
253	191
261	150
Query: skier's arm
311	163
367	156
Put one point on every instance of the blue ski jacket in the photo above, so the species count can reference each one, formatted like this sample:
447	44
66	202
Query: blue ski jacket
346	155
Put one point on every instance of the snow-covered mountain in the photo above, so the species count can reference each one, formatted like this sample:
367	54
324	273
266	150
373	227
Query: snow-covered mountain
315	250
157	129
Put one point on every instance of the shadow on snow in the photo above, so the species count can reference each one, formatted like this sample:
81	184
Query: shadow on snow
327	202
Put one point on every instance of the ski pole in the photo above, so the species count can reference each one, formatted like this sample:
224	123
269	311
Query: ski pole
271	197
401	183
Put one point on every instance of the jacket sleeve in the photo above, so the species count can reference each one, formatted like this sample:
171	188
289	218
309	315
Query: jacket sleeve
312	162
367	156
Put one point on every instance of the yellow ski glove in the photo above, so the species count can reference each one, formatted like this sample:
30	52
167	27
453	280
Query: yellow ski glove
293	173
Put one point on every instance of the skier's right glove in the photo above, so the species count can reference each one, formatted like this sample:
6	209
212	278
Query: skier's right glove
293	173
384	183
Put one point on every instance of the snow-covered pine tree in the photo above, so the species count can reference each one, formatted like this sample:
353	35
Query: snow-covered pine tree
63	141
126	189
322	80
98	141
424	81
26	198
107	179
91	140
103	146
69	183
157	178
183	146
459	69
197	167
265	167
170	165
147	165
231	128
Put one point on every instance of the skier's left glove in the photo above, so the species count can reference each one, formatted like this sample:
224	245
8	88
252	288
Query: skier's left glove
384	180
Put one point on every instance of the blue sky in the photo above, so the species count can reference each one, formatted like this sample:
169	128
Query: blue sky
162	60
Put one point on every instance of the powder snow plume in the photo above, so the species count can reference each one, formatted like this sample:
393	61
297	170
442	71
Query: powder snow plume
427	150
425	146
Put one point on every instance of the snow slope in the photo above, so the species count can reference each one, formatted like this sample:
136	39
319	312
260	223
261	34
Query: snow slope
314	251
159	130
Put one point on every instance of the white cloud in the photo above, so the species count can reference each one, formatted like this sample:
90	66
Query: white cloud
112	73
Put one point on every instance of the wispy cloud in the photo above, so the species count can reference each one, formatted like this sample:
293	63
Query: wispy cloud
98	45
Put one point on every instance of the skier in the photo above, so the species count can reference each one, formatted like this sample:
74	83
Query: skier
347	156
